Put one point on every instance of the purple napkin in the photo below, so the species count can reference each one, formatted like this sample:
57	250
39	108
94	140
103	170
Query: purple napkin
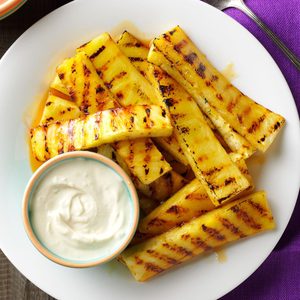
279	276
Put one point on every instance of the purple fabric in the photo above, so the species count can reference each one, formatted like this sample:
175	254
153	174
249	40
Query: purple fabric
279	276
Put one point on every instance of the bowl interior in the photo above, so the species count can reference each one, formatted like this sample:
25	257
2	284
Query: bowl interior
42	172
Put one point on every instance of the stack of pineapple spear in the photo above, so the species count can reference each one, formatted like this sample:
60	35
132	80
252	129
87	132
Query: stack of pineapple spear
178	128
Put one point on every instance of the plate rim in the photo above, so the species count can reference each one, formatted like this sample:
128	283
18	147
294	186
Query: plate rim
36	24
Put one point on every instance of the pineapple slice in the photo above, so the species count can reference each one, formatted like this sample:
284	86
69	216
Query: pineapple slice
190	202
177	55
84	85
137	53
58	109
211	164
104	127
235	220
89	91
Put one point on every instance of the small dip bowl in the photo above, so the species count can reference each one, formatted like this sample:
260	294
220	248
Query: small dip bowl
41	174
7	7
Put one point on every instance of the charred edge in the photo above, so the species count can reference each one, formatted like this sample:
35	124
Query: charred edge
61	76
201	70
214	78
165	89
219	96
169	102
175	209
166	37
256	124
138	260
148	145
184	130
120	75
156	222
248	220
99	89
231	105
172	31
86	71
190	58
214	233
229	181
148	111
232	228
134	59
276	126
180	45
95	54
185	236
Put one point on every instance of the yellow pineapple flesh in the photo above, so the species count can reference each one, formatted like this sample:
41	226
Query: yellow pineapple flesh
104	127
231	222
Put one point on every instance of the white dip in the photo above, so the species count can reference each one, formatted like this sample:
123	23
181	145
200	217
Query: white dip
81	210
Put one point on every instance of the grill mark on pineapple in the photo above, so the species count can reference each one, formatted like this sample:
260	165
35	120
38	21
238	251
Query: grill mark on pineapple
96	53
243	215
153	268
169	260
138	260
156	222
135	59
256	124
214	233
176	210
180	45
262	211
231	227
166	89
178	249
199	243
172	66
201	70
212	171
231	105
190	58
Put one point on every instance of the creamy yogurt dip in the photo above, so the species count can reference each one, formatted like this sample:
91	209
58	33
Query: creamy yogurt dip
80	210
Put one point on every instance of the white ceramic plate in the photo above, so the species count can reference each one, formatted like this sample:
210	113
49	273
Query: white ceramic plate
25	72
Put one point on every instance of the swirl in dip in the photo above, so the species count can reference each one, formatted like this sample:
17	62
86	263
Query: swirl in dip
80	209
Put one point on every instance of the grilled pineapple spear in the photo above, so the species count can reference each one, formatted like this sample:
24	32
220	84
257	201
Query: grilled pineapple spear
137	53
190	202
104	127
177	55
235	220
211	164
88	90
154	193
